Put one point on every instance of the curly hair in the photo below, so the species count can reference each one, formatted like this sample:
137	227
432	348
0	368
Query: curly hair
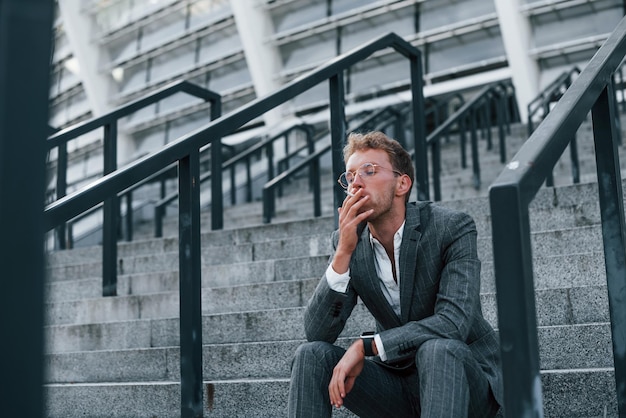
399	157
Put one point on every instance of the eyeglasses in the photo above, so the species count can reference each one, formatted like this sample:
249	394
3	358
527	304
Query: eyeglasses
366	171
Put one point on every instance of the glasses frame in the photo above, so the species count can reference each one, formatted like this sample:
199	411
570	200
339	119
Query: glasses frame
359	172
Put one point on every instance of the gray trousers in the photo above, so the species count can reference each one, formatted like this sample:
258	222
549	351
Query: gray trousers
448	382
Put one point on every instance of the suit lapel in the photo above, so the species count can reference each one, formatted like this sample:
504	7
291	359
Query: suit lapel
373	296
408	259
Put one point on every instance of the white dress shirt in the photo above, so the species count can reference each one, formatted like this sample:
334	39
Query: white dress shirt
389	287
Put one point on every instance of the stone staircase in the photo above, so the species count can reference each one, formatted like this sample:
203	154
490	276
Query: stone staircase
119	356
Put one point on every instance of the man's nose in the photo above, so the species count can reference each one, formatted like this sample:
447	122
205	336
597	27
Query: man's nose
358	181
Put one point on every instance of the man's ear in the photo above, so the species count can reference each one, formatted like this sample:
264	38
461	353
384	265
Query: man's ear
404	185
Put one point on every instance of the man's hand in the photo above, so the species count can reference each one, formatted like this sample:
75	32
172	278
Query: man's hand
350	216
345	373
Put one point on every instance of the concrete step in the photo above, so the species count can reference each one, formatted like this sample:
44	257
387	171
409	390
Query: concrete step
587	393
545	243
561	347
559	306
554	271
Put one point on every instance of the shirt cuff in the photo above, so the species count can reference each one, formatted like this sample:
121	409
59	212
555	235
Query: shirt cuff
337	282
380	347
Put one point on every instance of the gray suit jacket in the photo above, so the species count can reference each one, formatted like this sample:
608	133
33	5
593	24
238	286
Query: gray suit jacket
439	292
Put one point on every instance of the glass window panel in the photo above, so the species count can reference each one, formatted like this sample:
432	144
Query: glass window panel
298	13
204	11
219	44
68	79
149	140
230	76
341	6
142	114
177	101
548	31
114	15
121	13
55	78
236	102
308	51
376	74
77	106
187	124
457	51
57	115
172	62
312	97
90	137
134	77
61	47
434	14
123	48
163	29
357	34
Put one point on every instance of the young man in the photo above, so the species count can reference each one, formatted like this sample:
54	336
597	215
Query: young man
416	269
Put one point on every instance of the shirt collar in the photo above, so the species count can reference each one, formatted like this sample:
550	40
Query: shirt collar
397	237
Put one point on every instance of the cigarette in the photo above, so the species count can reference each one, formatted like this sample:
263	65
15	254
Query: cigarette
348	193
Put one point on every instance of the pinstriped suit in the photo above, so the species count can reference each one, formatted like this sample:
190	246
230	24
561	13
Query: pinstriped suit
439	298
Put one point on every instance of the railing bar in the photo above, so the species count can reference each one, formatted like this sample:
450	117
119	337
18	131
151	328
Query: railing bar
419	129
86	126
61	189
613	230
190	287
73	204
337	135
110	216
517	321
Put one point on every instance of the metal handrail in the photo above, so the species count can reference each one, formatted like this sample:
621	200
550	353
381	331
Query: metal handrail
550	95
109	121
478	106
510	196
185	152
160	207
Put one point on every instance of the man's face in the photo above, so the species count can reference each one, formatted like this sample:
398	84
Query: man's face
379	186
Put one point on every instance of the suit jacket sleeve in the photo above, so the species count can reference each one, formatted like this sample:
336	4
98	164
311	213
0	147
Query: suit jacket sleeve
450	249
327	311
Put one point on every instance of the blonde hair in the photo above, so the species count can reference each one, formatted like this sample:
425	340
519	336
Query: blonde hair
398	156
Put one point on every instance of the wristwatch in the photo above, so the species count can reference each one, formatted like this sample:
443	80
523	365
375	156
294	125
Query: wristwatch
368	338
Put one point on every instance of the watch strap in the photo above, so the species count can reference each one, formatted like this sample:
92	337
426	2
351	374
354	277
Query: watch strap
367	338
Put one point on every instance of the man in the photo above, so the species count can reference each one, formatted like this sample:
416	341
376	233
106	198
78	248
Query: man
416	269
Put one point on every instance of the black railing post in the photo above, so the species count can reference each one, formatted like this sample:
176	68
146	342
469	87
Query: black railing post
500	110
435	154
419	129
270	175
190	286
129	216
248	181
462	124
613	230
337	135
573	153
317	192
517	321
26	29
217	199
61	188
233	186
474	147
110	216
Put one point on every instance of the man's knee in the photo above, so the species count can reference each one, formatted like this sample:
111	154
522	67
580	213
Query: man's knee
316	353
435	350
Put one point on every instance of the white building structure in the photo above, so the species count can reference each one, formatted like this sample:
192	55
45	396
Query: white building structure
109	52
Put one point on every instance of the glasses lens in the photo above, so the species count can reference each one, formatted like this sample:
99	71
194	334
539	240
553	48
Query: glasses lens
343	180
367	169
